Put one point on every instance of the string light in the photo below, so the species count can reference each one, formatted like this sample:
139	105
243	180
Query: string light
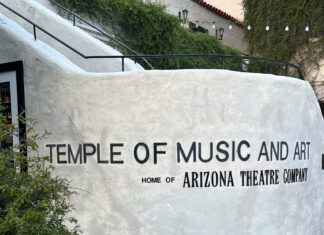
248	27
287	28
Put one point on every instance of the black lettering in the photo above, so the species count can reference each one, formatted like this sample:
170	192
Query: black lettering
200	154
214	179
274	151
243	142
263	151
219	149
297	151
51	146
282	158
60	153
194	182
147	153
74	157
308	144
186	181
207	183
156	151
115	153
86	153
185	157
222	178
230	181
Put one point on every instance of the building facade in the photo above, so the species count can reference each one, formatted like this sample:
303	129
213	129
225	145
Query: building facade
165	151
209	19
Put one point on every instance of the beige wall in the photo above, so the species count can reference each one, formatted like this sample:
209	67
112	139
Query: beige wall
232	7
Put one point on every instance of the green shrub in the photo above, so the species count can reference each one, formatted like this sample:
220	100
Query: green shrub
148	29
33	201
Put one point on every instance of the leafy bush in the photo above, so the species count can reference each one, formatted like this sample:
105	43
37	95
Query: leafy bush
33	202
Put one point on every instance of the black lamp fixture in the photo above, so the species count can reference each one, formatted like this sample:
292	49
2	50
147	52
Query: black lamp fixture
221	33
184	16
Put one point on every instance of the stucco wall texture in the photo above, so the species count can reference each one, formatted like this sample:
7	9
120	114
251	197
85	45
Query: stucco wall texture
174	107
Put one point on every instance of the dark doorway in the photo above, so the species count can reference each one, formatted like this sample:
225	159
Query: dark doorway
322	107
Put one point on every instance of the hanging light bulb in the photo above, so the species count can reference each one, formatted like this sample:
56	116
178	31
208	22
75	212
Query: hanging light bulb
214	25
306	28
287	28
249	27
230	26
267	28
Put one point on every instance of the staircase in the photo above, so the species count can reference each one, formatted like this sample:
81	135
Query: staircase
77	45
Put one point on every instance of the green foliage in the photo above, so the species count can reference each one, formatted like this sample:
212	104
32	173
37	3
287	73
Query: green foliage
33	202
302	47
148	29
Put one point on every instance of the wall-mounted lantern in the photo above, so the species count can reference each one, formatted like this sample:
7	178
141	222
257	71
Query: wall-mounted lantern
183	15
220	33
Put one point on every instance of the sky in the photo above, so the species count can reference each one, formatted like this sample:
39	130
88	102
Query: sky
232	7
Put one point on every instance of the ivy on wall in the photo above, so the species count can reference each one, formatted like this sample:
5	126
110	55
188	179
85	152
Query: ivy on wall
148	29
296	44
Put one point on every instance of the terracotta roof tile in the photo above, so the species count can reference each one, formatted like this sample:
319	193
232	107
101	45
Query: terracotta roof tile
218	12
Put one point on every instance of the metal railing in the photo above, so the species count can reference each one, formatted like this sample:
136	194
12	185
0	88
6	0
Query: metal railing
75	16
284	64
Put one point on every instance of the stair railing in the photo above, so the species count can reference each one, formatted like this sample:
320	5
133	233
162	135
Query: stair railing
77	17
285	64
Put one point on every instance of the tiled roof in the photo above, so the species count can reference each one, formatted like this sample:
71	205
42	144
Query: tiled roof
219	12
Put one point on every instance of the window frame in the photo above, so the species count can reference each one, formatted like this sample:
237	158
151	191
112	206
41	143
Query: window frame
18	68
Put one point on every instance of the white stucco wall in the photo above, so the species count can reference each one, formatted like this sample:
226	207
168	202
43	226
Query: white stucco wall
65	31
233	38
174	107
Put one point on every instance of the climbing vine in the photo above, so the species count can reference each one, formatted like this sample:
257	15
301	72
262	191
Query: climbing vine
297	44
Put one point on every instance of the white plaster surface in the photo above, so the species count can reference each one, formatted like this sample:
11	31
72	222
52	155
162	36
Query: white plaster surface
186	106
73	36
173	106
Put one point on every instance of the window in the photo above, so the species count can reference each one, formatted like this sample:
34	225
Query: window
12	98
197	28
